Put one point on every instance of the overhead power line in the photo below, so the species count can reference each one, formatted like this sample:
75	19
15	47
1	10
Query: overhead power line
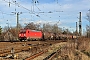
15	3
5	13
30	11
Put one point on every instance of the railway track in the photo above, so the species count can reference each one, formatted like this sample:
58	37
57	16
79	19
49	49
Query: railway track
49	55
4	53
52	55
36	55
34	48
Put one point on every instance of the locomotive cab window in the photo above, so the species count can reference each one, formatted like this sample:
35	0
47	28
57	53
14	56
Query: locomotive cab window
28	31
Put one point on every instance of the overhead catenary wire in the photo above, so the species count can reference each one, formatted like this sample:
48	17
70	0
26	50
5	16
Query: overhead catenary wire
38	8
5	13
15	3
30	11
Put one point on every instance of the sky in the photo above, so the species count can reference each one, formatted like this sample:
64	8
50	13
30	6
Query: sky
64	13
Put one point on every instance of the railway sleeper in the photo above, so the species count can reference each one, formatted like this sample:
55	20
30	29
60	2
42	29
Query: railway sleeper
50	56
36	55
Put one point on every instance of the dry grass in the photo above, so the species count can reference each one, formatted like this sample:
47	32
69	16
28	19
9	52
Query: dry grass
75	50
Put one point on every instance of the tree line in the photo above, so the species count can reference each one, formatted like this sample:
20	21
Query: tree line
11	33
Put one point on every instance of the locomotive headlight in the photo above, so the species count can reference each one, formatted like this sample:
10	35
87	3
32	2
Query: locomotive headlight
24	35
19	34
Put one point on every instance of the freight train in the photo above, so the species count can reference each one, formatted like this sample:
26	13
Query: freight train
27	34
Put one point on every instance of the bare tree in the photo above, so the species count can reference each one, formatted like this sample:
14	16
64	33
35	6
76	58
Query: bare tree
31	26
55	28
47	27
10	33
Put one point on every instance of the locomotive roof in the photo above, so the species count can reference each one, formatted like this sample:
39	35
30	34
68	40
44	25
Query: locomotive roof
24	30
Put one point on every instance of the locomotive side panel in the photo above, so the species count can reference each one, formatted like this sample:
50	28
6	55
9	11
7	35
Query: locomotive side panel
35	34
30	35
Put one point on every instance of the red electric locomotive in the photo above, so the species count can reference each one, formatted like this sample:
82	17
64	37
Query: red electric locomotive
27	34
